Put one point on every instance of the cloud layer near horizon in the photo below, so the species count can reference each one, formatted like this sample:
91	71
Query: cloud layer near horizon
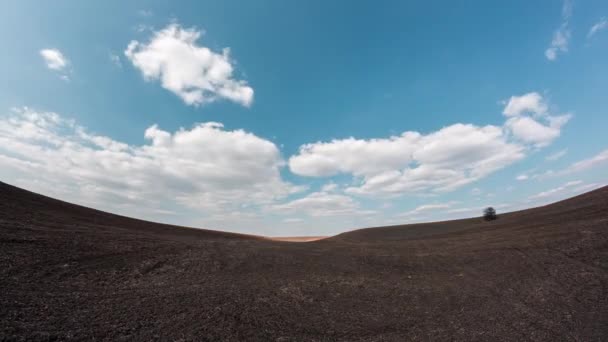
235	175
206	167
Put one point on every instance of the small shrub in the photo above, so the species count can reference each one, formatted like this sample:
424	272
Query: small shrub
489	214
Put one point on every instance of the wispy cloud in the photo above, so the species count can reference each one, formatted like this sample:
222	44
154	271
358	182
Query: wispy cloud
585	164
563	191
556	191
561	36
321	204
145	13
115	59
422	211
557	155
601	25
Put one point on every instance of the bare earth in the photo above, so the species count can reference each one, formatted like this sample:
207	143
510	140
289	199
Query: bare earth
68	272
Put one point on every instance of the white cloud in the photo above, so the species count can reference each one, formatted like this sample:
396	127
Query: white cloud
322	204
522	177
597	27
355	156
556	191
207	168
329	187
464	210
560	42
430	207
587	187
564	191
435	211
534	132
525	104
530	122
551	53
446	159
54	59
425	208
439	161
561	36
585	164
557	155
193	72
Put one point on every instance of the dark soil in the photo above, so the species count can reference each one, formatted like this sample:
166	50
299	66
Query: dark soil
69	272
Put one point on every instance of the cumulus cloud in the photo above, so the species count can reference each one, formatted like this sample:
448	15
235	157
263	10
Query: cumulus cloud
561	36
534	132
530	121
525	104
193	72
351	156
601	25
443	160
205	168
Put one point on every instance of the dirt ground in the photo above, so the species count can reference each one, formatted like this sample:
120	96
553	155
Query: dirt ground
68	272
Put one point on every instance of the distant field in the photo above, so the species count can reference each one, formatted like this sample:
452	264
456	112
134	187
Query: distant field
298	238
69	272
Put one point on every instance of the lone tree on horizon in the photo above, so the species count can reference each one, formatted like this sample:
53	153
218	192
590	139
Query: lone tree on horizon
489	214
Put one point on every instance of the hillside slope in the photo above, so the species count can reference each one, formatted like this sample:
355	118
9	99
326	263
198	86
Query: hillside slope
588	206
48	213
68	272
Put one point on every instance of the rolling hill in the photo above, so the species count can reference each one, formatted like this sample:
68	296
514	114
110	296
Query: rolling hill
70	272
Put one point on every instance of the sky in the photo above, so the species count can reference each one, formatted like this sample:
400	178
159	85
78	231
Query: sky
292	118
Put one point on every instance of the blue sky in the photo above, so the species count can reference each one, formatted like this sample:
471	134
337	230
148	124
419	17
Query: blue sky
304	118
